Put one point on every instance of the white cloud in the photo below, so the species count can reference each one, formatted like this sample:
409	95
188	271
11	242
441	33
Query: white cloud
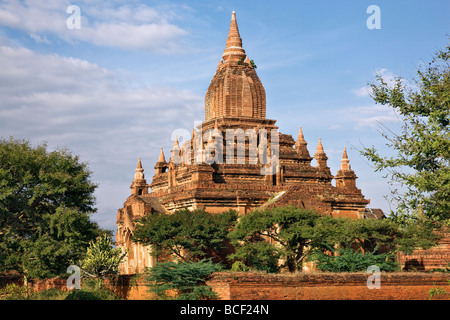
372	116
125	26
362	92
388	76
52	96
108	121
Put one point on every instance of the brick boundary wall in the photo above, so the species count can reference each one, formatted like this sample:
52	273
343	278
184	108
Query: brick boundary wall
301	286
327	286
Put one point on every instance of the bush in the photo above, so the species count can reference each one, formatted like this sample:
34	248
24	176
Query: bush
349	260
92	290
182	281
260	256
50	294
239	266
89	294
13	291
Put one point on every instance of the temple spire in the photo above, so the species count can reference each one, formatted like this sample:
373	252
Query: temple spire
139	175
321	159
320	148
161	156
345	162
301	145
139	184
300	137
345	177
176	145
234	50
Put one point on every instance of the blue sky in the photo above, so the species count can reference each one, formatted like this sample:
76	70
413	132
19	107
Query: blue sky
136	71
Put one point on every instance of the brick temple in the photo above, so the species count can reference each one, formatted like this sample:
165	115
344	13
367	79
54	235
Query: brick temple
237	159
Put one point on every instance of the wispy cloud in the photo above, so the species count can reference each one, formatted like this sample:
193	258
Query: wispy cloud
372	116
388	76
92	111
362	92
126	26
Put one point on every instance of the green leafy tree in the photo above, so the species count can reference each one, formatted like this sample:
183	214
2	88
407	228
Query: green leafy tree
422	149
46	199
346	259
388	235
288	236
189	235
102	259
257	254
290	230
182	280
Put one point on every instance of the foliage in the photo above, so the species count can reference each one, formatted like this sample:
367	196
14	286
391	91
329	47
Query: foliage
290	235
189	235
13	291
421	163
290	229
437	291
101	258
258	255
45	202
49	294
92	292
182	280
349	260
386	234
239	266
253	64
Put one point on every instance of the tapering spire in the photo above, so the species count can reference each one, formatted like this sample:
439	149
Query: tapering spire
176	145
176	152
321	159
301	145
139	184
345	177
161	156
344	155
345	162
320	148
234	50
300	137
139	175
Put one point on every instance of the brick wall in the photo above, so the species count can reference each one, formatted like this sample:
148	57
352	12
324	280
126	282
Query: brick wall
326	286
437	257
302	286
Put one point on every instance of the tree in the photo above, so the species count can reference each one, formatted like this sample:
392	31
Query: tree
288	236
421	163
102	259
182	280
189	235
291	231
346	259
45	202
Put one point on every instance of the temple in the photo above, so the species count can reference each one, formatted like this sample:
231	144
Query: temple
237	159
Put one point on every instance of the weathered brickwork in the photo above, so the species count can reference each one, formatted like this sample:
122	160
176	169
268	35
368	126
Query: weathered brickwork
302	286
236	102
437	257
323	286
236	177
